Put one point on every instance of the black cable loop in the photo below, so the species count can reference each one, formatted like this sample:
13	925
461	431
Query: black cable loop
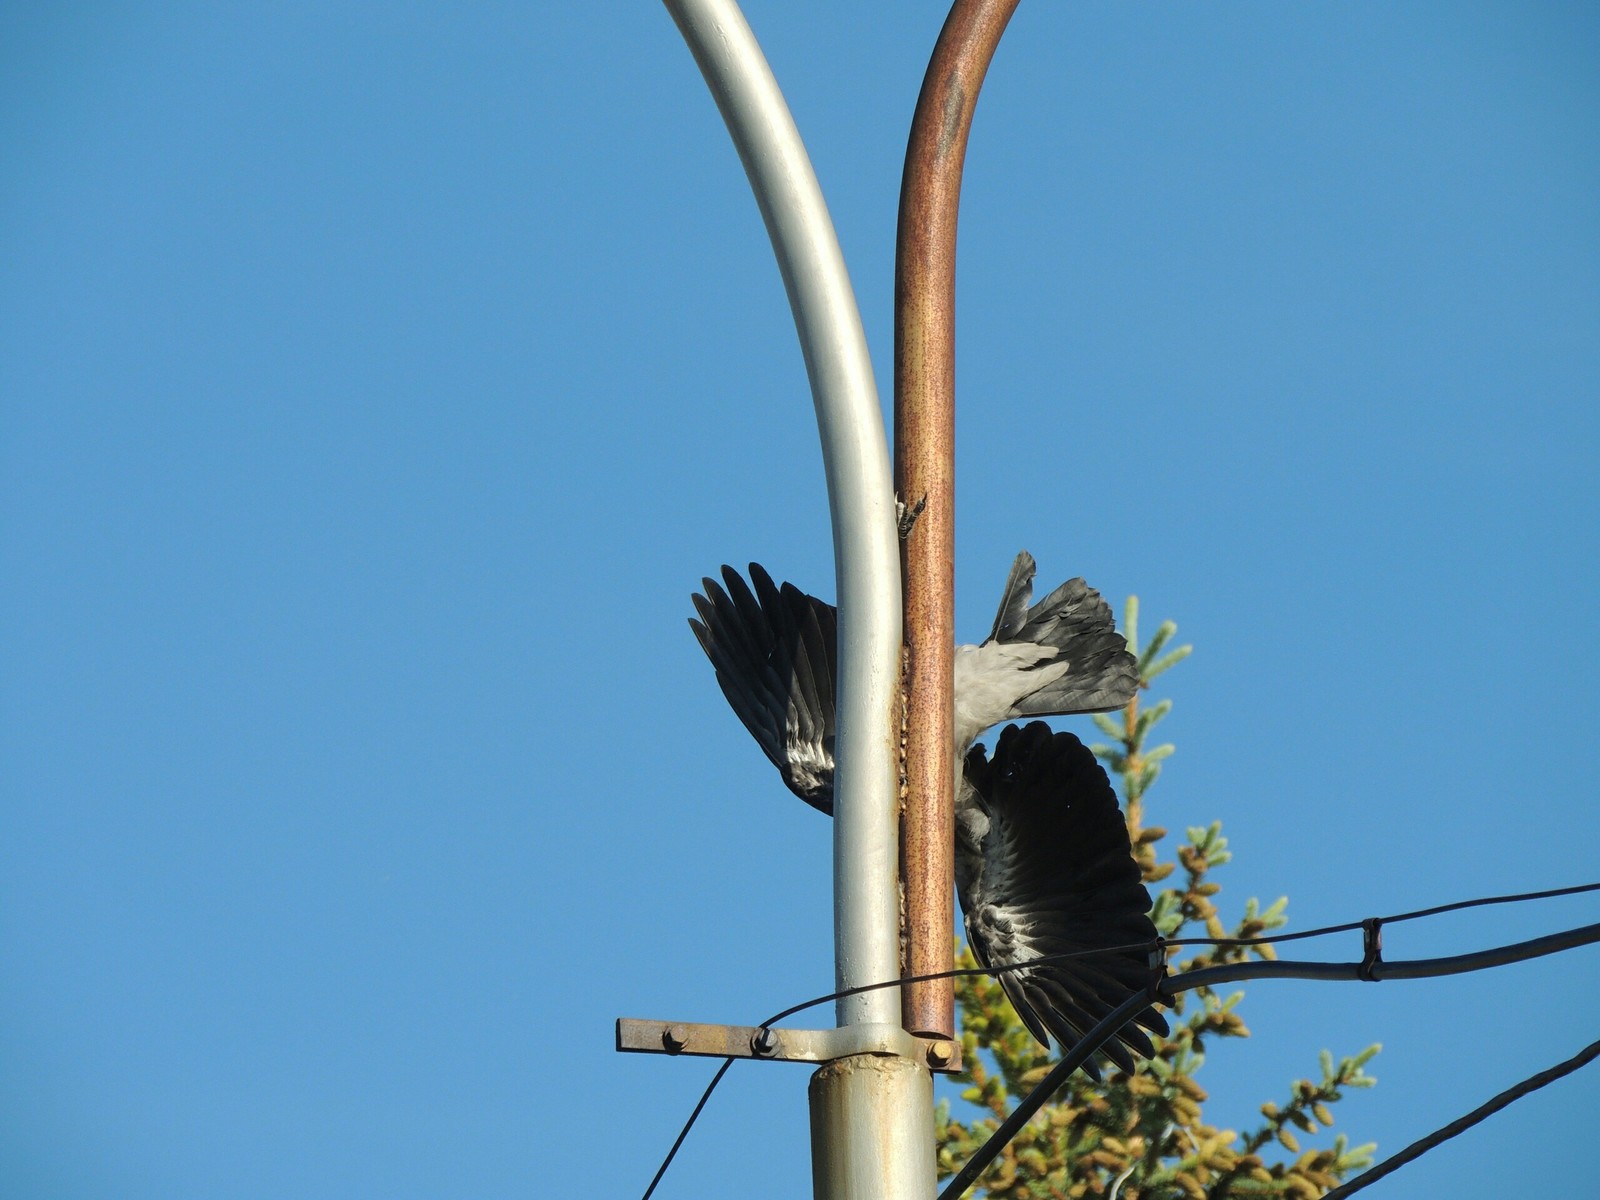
1371	948
1158	970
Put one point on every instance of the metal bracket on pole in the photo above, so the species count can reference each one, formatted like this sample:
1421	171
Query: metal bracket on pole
785	1045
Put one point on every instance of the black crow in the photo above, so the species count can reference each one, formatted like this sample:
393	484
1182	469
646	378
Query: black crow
1043	863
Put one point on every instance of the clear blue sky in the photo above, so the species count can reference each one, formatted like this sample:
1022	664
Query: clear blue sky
377	381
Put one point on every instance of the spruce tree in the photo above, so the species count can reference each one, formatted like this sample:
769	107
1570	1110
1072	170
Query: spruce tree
1145	1137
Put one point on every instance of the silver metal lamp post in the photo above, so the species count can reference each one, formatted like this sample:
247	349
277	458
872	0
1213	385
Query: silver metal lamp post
872	1113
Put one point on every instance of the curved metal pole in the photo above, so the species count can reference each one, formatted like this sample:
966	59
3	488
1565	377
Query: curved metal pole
856	460
924	454
871	1117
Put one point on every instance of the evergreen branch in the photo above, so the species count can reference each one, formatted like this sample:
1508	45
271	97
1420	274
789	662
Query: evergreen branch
1144	1137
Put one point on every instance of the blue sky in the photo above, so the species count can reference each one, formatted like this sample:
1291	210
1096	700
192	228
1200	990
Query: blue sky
377	381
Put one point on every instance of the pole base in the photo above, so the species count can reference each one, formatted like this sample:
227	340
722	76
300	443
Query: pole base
872	1129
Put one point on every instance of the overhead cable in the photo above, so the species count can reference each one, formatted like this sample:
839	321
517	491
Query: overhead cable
1370	968
1461	1124
1416	969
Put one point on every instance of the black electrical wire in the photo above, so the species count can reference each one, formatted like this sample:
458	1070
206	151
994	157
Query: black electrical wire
1444	908
852	991
1425	968
1272	939
1461	1124
688	1125
1394	920
1212	975
1024	1112
1421	968
958	973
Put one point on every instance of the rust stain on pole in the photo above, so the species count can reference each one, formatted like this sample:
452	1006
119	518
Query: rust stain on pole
924	458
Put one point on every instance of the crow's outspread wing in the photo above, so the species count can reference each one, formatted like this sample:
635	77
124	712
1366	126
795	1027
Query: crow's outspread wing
773	650
1044	866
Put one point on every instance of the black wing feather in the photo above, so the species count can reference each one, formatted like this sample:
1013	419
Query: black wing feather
1076	620
1057	875
1014	600
774	653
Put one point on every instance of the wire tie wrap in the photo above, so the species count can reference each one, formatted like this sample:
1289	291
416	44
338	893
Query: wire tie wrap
1158	971
1371	949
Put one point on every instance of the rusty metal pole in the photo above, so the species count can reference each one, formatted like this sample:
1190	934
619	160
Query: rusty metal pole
924	460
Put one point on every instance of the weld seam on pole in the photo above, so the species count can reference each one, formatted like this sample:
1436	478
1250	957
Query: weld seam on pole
860	495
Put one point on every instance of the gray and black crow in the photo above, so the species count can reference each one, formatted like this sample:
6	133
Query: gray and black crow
1043	864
